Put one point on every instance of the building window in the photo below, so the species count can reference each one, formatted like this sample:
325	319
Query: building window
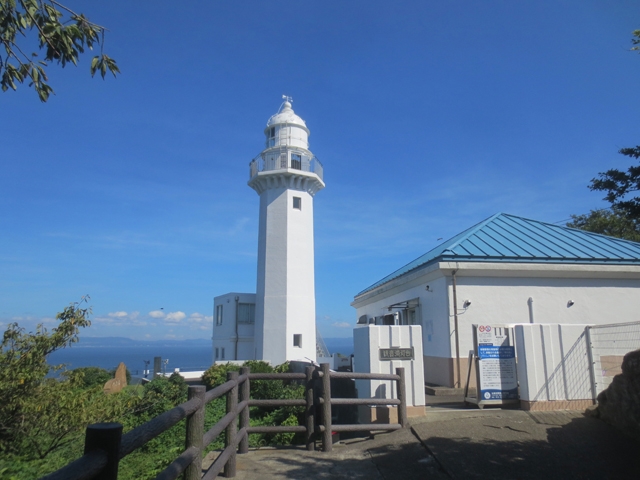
218	314
246	313
297	203
217	353
297	340
296	161
222	353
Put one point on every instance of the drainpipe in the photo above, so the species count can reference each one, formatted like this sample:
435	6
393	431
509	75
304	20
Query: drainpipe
237	338
530	303
455	320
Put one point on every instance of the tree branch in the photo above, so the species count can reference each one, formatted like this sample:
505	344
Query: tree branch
44	35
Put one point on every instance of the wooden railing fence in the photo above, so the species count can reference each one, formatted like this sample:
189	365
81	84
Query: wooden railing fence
105	445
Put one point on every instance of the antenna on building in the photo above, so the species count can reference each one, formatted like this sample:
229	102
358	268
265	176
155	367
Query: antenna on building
287	98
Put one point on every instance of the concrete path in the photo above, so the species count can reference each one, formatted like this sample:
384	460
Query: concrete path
464	444
513	444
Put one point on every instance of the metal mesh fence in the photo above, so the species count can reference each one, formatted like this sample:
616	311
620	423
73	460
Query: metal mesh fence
608	345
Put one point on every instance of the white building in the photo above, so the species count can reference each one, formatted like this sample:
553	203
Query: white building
505	270
286	176
233	326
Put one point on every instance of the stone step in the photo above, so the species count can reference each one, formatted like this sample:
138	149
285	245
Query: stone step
437	390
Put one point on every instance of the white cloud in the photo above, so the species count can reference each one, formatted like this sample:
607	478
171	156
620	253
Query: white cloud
156	314
197	317
102	319
175	317
118	314
341	324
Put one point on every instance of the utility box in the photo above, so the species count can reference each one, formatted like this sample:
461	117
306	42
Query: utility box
382	349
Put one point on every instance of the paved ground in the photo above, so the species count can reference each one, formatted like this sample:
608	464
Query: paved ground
464	444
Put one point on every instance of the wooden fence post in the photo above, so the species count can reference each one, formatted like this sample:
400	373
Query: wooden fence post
309	413
105	436
245	393
232	429
402	396
195	431
327	443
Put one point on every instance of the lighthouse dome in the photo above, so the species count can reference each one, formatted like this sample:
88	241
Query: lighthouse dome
286	129
286	115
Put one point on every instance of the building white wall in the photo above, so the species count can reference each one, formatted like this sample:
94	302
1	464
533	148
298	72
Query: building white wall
224	335
596	301
368	340
499	293
553	364
432	315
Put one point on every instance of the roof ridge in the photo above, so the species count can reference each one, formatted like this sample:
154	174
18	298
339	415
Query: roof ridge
505	237
470	231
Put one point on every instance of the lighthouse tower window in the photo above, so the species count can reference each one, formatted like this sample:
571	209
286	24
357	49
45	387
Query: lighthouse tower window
297	340
297	203
271	140
296	161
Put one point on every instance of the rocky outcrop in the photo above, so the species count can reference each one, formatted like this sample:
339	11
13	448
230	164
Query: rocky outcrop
619	404
116	384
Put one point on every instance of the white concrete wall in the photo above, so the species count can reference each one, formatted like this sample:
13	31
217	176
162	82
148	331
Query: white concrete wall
597	301
432	314
285	288
224	336
367	342
552	362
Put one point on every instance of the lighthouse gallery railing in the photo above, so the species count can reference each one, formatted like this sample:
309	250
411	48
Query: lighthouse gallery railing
285	158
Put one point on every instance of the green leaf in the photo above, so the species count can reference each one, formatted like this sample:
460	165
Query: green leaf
94	65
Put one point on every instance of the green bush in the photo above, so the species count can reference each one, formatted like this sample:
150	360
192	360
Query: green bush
88	376
262	390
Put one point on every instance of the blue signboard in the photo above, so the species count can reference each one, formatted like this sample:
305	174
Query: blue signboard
496	364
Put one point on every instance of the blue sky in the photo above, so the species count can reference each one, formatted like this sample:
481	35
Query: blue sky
428	116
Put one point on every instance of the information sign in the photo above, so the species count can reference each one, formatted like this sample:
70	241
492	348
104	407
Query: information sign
396	353
496	364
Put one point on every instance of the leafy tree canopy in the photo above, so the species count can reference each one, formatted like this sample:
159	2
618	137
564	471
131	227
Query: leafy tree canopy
88	376
63	35
620	184
636	40
607	222
23	366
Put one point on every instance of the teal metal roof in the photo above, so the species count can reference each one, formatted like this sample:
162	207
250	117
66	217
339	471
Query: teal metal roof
507	238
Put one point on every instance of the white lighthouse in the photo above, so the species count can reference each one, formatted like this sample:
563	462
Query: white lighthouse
286	175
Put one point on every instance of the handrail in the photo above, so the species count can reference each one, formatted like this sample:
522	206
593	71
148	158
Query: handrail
156	426
84	468
97	460
282	158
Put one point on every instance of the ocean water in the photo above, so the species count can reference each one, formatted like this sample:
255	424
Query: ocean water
187	355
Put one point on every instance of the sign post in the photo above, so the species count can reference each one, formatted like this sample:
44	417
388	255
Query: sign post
496	376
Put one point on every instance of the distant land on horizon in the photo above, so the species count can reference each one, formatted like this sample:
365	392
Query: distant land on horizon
130	342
